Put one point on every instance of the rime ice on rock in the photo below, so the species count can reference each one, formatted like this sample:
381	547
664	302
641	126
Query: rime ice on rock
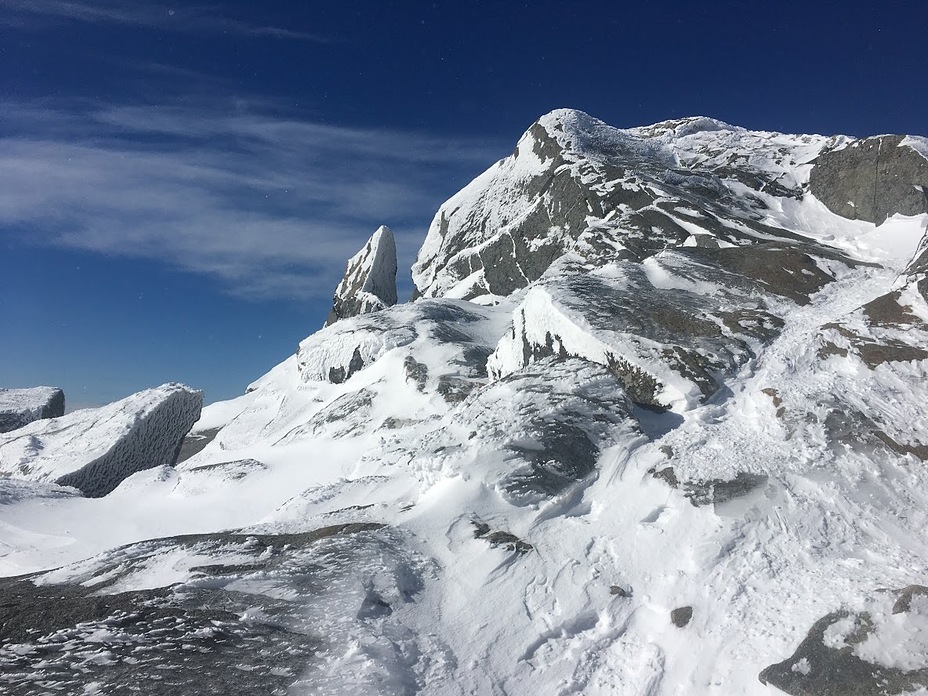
19	407
575	185
93	450
369	283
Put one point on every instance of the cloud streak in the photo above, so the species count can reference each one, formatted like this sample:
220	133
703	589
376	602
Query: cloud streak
270	206
20	13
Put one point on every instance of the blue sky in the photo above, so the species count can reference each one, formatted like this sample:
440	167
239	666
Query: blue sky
181	184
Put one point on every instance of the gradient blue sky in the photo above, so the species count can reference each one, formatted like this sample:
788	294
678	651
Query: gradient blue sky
181	184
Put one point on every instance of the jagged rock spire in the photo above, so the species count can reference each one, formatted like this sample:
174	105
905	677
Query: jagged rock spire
369	283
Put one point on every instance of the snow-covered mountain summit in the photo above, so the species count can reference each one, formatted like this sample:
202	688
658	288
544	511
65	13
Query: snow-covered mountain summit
574	184
654	425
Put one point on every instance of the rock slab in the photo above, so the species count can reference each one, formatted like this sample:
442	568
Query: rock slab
94	450
871	179
19	407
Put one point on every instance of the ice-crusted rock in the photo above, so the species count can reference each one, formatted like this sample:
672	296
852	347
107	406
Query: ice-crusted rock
665	337
93	450
575	184
237	613
873	178
339	351
369	282
19	407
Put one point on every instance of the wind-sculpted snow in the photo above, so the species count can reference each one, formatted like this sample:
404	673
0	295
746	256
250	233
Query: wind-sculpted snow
19	407
369	283
559	416
93	450
343	349
675	445
219	613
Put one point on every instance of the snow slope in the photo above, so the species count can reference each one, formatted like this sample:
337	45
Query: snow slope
663	469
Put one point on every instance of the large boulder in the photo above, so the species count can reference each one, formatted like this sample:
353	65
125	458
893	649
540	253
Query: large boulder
93	450
873	178
369	283
19	407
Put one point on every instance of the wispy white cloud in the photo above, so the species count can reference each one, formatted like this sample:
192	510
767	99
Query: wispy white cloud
270	206
140	13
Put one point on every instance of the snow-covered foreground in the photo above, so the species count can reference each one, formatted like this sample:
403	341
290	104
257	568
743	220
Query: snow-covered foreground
418	524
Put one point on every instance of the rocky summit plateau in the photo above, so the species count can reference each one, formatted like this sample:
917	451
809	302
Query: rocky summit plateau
654	422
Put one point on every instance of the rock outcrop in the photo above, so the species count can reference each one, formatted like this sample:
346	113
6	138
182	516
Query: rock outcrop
369	283
338	352
873	178
19	407
93	450
576	185
875	651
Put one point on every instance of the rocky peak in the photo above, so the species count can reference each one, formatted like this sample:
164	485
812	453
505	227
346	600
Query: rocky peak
577	185
369	283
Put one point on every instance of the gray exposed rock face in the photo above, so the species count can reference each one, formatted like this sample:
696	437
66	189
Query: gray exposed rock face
94	450
369	282
872	179
19	407
835	658
576	185
681	616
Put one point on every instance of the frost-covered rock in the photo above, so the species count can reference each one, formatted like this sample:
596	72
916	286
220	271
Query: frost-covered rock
574	184
369	282
93	450
339	351
559	415
666	337
19	407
